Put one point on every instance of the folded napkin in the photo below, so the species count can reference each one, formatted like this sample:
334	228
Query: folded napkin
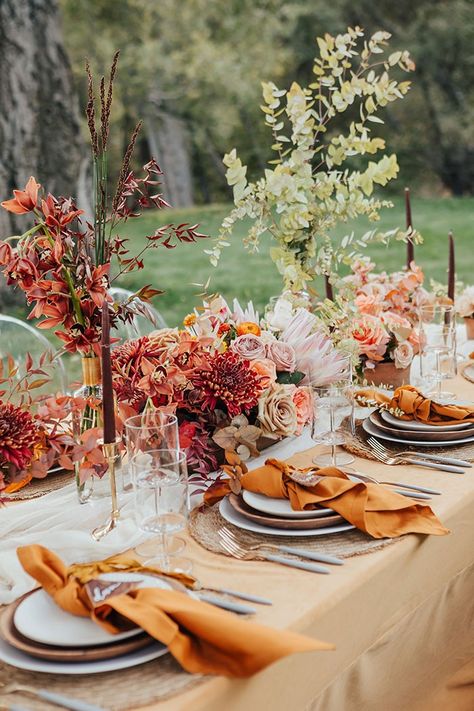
370	507
203	638
415	406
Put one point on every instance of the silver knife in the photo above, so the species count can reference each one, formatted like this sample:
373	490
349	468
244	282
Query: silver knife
242	596
227	604
293	563
434	465
320	557
423	489
413	494
448	460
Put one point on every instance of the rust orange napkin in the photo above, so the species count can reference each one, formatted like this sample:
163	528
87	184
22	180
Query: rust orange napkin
204	639
370	507
416	406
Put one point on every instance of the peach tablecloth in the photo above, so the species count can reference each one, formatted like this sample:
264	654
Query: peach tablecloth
402	618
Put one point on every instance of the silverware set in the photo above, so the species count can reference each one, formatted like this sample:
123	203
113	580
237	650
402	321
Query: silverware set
431	461
262	551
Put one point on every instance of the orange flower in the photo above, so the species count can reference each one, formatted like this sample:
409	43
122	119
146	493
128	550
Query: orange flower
189	320
248	327
24	200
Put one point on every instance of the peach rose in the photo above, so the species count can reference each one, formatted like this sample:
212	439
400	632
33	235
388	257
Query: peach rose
304	407
370	336
282	354
266	369
368	304
249	346
397	324
403	355
277	411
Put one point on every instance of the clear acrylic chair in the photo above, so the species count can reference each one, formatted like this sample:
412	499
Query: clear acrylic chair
17	338
140	325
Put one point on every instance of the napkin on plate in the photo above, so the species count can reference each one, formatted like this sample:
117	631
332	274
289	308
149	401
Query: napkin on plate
416	406
370	507
204	639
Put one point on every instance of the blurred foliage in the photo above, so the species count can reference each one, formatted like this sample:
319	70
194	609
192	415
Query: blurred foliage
203	62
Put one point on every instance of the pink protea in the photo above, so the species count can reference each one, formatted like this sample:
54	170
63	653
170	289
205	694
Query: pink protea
314	351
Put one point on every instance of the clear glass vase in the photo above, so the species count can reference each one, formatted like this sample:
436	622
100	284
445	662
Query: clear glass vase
94	487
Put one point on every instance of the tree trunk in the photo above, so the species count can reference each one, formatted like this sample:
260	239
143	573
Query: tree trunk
39	124
169	144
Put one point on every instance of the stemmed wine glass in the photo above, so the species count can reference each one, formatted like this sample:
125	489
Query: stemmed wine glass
161	505
333	422
438	349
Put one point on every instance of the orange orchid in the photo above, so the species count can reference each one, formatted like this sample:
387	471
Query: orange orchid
24	200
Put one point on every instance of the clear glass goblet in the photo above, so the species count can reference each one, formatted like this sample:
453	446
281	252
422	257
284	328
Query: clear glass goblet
333	422
160	481
438	359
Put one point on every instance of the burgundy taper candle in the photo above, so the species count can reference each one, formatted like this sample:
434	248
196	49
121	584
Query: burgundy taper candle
328	285
108	408
409	225
451	268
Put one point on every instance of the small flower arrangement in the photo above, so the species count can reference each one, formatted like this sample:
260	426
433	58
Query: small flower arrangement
234	383
376	315
37	431
63	265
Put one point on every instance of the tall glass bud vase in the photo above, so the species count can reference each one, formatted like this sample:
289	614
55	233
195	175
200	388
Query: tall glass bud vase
91	390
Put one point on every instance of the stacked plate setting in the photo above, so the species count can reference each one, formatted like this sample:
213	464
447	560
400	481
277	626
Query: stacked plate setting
385	426
37	635
275	517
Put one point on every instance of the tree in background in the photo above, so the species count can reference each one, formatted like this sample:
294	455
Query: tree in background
39	124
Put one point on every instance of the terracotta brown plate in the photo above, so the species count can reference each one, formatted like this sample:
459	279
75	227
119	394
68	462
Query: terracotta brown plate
411	435
9	633
238	504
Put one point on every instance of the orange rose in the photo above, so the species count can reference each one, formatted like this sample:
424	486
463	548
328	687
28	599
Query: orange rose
266	369
248	327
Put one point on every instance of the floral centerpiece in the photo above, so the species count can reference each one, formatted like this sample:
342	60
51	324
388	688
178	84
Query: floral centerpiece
313	183
235	382
465	308
376	317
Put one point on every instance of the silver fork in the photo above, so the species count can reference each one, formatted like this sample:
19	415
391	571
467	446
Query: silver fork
225	532
254	553
384	455
441	459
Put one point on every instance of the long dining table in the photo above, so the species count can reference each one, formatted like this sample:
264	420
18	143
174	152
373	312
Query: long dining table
401	618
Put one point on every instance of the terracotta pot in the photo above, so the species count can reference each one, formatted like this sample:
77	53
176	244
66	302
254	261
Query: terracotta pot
469	321
387	374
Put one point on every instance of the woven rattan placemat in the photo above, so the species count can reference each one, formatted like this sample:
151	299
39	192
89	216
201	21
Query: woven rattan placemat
113	691
205	523
40	487
358	446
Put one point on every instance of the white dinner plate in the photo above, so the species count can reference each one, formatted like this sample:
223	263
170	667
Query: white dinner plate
39	618
280	507
240	521
421	426
18	659
371	429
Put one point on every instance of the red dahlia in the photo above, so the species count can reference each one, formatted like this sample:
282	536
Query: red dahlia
228	380
18	436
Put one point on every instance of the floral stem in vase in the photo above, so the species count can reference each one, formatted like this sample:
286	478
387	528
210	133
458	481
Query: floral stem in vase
89	418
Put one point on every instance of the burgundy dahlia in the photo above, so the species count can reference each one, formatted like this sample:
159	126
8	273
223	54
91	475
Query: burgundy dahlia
18	436
228	381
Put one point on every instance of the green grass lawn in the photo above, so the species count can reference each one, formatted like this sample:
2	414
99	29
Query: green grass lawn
253	276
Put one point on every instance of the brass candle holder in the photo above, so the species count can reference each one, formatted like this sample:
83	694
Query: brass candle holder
111	452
